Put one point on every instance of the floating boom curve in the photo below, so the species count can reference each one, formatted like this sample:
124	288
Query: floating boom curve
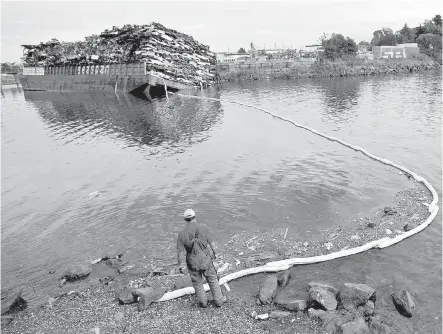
286	264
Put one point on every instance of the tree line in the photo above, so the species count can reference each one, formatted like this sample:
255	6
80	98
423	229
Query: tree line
427	35
11	68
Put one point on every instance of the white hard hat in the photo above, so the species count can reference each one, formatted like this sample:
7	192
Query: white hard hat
189	213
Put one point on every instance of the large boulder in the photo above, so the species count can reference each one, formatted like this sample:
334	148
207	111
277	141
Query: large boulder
404	303
268	289
331	320
126	296
357	326
352	295
183	282
291	289
9	303
289	298
147	299
369	308
142	291
318	315
323	286
291	303
322	298
77	271
283	278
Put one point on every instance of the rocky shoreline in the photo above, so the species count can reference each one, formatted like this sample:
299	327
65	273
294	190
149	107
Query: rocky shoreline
329	69
117	296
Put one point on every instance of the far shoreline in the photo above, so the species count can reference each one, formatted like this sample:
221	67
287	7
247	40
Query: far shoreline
334	69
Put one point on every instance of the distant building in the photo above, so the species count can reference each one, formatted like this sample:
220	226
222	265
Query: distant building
229	57
365	55
314	48
404	51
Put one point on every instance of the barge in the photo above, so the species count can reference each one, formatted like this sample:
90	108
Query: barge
118	78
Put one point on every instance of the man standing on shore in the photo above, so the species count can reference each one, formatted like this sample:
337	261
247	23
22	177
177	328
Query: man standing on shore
194	241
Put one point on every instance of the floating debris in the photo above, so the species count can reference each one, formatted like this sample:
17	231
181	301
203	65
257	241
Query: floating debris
263	316
223	268
94	194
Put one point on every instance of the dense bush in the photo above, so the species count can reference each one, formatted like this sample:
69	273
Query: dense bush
431	45
11	68
338	46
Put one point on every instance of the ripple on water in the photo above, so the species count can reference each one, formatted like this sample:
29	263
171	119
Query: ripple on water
237	167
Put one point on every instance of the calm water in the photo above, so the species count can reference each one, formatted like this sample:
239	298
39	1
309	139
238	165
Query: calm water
239	168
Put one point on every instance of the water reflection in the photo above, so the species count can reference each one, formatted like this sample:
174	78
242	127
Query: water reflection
340	97
254	172
137	122
15	90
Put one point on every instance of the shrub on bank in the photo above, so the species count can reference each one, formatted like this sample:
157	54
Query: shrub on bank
357	66
8	79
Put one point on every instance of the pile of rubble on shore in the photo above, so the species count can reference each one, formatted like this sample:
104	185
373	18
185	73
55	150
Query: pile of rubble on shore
167	53
350	309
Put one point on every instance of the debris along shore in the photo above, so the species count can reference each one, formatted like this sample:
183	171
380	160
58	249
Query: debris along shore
168	53
108	296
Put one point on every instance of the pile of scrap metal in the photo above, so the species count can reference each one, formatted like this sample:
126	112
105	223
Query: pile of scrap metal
167	53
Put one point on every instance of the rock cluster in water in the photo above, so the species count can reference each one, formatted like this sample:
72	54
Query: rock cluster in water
168	53
350	309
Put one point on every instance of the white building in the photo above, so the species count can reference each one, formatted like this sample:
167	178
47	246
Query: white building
229	57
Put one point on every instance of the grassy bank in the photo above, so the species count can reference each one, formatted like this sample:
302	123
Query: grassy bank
338	68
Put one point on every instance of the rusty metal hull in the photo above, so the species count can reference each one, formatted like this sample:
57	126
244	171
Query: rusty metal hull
96	83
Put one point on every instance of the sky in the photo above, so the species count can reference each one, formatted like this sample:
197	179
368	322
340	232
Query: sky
224	26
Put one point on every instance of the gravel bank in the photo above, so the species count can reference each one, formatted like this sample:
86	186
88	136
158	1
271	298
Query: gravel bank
98	307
